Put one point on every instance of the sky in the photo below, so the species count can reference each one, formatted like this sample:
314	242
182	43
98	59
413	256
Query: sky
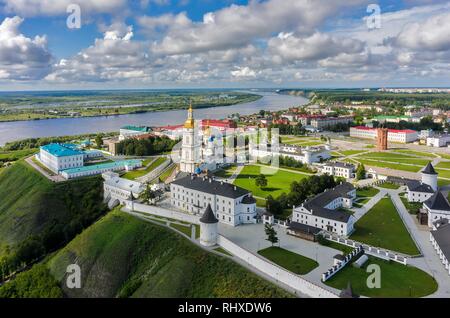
154	44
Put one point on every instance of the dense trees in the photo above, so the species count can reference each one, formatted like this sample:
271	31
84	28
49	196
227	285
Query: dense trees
425	123
145	147
289	129
300	191
35	283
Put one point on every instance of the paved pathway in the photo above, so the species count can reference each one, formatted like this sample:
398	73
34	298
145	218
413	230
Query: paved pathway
360	212
253	238
53	178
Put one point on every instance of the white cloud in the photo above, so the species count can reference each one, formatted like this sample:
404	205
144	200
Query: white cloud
237	26
433	34
22	58
31	8
243	72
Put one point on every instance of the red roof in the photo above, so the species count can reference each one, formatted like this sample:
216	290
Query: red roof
226	123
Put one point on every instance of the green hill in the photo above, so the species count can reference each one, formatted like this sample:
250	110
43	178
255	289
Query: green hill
121	256
38	216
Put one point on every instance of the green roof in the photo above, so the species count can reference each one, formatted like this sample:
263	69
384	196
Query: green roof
391	117
136	128
108	166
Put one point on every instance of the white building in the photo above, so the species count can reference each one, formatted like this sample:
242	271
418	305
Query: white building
339	169
440	239
437	208
438	141
323	123
394	135
57	157
117	190
307	155
208	228
420	191
231	205
133	131
322	211
93	170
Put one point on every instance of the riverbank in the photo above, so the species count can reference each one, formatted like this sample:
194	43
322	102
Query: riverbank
30	114
19	130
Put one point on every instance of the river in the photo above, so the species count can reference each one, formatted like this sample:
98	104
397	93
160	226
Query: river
12	131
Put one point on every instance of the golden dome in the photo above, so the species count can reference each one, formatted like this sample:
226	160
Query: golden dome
189	123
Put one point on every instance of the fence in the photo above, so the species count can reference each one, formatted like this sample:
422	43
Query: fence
336	268
370	250
276	272
154	210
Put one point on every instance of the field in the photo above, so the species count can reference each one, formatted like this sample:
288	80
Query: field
367	193
121	256
132	175
416	153
16	155
293	262
443	173
383	227
396	280
276	184
443	164
396	161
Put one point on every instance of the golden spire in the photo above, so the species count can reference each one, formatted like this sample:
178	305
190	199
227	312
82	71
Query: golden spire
189	123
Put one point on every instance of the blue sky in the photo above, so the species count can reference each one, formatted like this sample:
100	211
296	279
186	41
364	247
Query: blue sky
211	43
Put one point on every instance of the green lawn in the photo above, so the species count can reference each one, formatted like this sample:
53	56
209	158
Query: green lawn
442	182
166	174
367	193
351	152
142	172
340	247
276	184
182	228
389	165
443	173
444	156
389	185
417	153
383	227
443	164
225	173
16	155
397	280
293	262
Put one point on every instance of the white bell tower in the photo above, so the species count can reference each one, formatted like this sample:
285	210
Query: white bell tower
190	149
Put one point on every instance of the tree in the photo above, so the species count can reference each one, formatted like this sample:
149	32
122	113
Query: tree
261	181
360	172
271	234
99	140
148	195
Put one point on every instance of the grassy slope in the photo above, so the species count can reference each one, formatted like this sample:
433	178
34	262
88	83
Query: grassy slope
29	202
122	256
383	227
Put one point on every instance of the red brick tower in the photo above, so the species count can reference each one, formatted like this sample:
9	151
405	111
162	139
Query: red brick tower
382	139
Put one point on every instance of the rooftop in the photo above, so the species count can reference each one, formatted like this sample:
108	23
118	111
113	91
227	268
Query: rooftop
417	186
62	150
395	131
211	186
429	169
106	166
438	202
136	128
125	184
208	216
442	238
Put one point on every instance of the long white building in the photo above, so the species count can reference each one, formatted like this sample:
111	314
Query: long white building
322	211
438	141
420	191
394	135
440	239
57	157
306	155
231	204
339	169
118	190
437	207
